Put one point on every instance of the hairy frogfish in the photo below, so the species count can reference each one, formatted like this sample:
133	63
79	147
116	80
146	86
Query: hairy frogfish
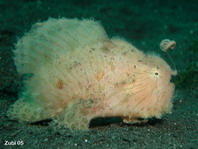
78	73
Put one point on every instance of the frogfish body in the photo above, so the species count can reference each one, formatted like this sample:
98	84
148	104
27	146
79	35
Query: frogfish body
78	74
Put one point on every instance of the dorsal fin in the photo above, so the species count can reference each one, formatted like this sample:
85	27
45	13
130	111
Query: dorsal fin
46	40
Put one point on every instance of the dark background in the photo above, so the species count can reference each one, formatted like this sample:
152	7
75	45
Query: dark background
144	23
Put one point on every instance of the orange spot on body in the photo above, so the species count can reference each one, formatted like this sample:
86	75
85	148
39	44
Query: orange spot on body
60	84
99	75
